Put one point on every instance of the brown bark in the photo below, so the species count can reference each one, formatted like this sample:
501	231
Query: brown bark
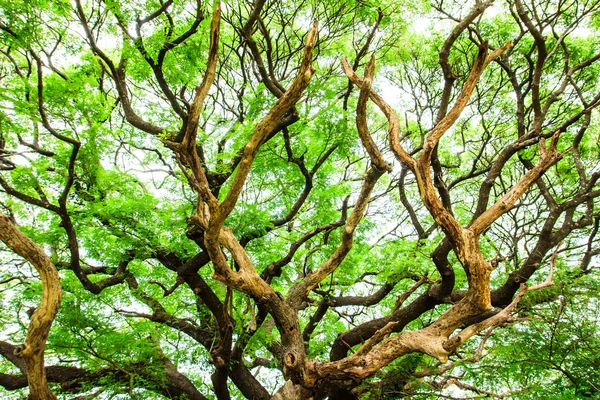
72	379
361	120
380	350
32	351
233	266
189	149
463	241
298	293
211	215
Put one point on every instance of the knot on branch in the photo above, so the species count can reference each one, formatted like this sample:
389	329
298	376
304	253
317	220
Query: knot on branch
290	360
452	344
383	168
18	351
550	152
217	361
484	46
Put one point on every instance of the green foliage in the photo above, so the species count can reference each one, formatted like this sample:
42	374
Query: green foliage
108	198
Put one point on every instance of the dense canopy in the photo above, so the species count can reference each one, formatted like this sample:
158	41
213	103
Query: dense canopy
299	199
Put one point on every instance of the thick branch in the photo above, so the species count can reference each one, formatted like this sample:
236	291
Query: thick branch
298	293
188	145
390	114
266	126
550	157
43	316
361	120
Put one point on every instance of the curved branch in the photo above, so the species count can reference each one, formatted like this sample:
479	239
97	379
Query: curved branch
266	126
74	379
390	114
117	73
361	120
43	316
301	289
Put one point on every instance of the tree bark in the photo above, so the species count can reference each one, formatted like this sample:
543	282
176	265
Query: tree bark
32	351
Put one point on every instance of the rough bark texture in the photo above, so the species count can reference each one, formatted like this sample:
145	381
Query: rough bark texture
260	76
32	351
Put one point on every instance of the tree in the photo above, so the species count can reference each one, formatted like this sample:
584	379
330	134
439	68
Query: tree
205	190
